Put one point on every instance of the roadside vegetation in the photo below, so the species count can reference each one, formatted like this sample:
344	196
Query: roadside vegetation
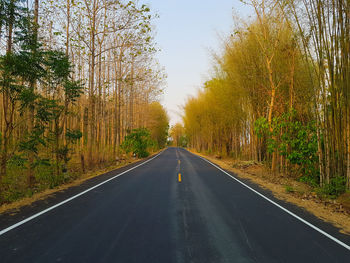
279	95
79	87
178	135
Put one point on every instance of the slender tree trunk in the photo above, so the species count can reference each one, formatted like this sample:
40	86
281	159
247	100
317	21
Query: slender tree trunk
65	116
57	145
348	155
320	151
91	136
271	108
30	176
5	97
5	136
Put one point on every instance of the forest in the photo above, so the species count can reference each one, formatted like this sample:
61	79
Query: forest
279	93
80	86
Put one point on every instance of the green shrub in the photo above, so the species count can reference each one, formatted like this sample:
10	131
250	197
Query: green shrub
311	179
294	140
335	188
289	189
138	142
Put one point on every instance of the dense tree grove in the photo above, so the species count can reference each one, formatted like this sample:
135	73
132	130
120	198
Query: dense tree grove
280	93
76	77
178	136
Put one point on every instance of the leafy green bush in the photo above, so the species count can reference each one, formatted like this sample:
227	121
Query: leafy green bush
336	187
311	179
138	142
293	139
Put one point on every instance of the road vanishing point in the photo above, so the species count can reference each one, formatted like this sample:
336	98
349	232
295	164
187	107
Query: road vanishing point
174	207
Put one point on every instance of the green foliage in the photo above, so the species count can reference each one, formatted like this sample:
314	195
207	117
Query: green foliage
20	71
73	135
292	139
17	161
73	90
9	84
58	67
289	189
27	98
183	142
177	133
336	187
158	124
137	142
31	142
45	175
311	179
46	110
64	151
261	127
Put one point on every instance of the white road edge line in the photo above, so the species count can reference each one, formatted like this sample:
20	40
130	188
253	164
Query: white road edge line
73	197
279	206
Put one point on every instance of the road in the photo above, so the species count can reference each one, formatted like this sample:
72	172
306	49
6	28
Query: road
147	215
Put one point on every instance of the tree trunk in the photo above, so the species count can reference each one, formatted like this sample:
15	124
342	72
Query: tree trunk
30	175
91	136
271	107
5	97
348	155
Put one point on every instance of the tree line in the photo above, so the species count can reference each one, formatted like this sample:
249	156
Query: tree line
76	78
280	93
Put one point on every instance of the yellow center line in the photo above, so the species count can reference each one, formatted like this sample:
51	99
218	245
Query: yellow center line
179	177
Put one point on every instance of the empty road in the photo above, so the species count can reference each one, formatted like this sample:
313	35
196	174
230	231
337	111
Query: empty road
148	215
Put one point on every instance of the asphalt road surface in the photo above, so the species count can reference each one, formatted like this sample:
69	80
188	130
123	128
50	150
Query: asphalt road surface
148	215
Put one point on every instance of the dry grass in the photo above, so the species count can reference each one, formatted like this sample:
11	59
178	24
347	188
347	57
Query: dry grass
335	212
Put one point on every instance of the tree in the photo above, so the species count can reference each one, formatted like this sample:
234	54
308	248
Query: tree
158	123
177	133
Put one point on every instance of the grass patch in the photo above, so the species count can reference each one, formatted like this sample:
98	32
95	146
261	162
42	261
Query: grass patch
289	189
335	188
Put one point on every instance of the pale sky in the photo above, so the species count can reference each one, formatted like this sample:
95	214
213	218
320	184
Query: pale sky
186	32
